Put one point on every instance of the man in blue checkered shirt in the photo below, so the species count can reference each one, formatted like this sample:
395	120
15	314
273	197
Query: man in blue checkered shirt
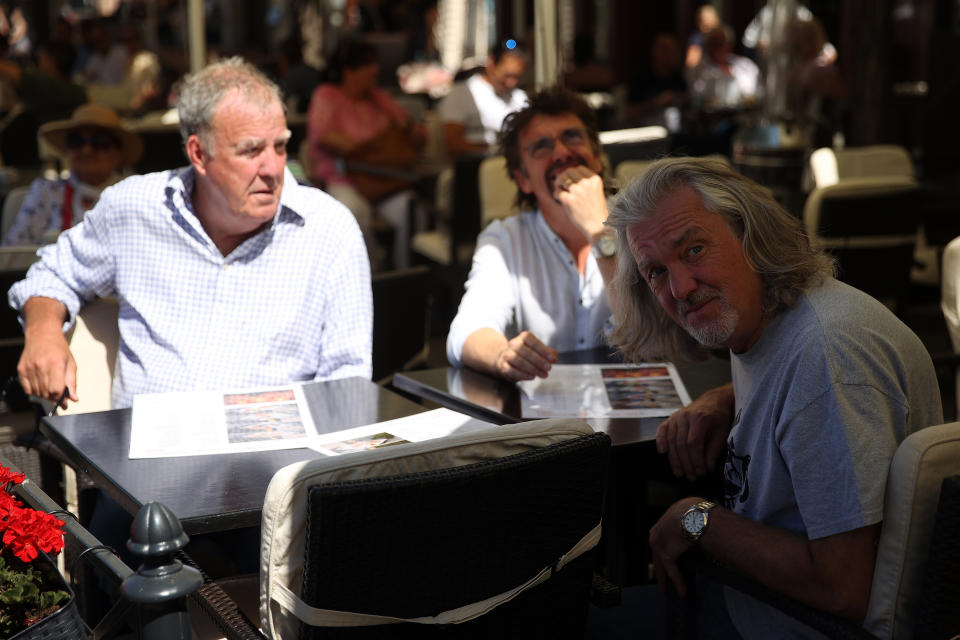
229	274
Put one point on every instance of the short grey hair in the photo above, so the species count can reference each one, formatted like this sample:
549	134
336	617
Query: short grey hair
774	243
201	93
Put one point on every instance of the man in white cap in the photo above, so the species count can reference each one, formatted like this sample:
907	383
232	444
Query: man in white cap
97	147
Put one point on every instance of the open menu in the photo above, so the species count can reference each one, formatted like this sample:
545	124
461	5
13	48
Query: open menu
604	391
214	422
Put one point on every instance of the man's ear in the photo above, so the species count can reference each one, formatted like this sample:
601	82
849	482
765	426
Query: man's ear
197	154
522	180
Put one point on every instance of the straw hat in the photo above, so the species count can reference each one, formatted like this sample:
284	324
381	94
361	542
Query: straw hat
93	115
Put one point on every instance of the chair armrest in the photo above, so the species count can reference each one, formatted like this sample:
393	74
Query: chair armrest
220	608
695	562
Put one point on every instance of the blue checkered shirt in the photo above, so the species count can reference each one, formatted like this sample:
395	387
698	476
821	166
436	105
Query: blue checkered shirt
291	303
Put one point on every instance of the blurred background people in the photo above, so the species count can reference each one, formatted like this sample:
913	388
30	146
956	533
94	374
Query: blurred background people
97	147
45	93
144	76
352	121
722	79
707	20
475	108
107	60
297	79
815	88
657	92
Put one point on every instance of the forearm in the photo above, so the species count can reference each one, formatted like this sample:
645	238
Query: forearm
456	141
830	580
43	317
482	348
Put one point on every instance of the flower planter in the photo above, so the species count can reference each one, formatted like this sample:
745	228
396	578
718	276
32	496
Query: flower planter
63	624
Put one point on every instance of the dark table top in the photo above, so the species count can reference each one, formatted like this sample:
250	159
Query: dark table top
497	401
211	492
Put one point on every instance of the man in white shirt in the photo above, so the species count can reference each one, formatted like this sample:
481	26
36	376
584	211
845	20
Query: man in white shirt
537	284
474	110
724	80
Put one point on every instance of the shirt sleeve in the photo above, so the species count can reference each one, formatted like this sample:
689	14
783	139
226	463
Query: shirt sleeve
838	449
490	297
35	214
346	344
321	115
78	268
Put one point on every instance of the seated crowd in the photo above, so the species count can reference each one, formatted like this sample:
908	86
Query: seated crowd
692	256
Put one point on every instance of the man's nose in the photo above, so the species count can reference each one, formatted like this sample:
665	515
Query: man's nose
560	150
682	282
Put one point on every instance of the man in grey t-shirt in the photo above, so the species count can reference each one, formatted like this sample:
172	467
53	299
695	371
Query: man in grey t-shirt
826	383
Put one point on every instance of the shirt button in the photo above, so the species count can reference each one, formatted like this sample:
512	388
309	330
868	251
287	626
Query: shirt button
580	301
581	340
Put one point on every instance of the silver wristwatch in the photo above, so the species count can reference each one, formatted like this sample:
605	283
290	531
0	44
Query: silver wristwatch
606	245
694	520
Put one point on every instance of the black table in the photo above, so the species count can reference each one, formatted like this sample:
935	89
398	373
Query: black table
487	398
210	492
636	468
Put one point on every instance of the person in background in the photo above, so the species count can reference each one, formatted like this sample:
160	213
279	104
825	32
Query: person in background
353	120
107	62
473	112
297	78
826	383
658	91
723	80
97	147
229	274
707	19
144	76
46	93
586	73
537	282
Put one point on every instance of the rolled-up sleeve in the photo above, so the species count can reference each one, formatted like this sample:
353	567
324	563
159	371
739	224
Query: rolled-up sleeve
74	270
490	298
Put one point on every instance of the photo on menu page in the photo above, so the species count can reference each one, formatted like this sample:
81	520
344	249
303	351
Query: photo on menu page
375	441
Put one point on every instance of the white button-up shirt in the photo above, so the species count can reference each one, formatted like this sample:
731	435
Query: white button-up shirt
524	278
291	303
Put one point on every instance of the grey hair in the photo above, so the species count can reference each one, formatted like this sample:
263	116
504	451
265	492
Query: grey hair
774	242
202	92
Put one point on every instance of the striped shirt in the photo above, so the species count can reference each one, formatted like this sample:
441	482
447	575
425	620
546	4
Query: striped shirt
291	303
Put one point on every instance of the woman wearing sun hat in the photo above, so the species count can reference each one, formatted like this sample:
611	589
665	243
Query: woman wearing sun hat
97	146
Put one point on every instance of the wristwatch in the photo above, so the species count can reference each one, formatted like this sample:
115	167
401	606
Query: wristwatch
694	520
606	245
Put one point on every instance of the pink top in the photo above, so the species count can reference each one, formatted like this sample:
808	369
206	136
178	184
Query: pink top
360	120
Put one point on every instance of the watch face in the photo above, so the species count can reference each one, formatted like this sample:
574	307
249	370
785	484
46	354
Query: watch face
694	521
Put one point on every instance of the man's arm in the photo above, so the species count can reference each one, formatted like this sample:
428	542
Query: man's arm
832	574
523	358
695	437
46	365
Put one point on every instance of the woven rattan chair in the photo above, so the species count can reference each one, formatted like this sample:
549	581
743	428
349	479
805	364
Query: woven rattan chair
915	594
427	529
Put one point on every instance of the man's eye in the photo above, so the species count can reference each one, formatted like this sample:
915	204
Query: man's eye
280	148
654	272
695	250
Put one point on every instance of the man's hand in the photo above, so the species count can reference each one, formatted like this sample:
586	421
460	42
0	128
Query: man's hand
524	358
580	190
46	365
695	437
667	543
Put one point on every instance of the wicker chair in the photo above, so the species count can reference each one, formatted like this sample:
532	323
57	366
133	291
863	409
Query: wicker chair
443	529
915	594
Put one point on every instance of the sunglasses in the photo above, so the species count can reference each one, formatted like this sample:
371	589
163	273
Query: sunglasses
98	140
544	146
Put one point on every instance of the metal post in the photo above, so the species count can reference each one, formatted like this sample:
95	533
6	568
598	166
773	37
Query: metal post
162	583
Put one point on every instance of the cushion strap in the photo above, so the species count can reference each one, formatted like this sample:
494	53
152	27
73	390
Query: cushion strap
312	616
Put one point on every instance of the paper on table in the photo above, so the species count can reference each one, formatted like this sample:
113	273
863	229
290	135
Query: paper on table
214	422
421	426
604	391
209	422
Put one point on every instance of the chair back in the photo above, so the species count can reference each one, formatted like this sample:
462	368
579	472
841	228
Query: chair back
868	226
93	341
401	320
420	530
829	167
628	170
498	192
950	292
641	143
917	471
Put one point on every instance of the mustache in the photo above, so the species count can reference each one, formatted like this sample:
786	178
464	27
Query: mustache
555	168
698	297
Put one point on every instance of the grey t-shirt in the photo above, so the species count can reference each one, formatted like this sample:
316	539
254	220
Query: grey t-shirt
822	401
